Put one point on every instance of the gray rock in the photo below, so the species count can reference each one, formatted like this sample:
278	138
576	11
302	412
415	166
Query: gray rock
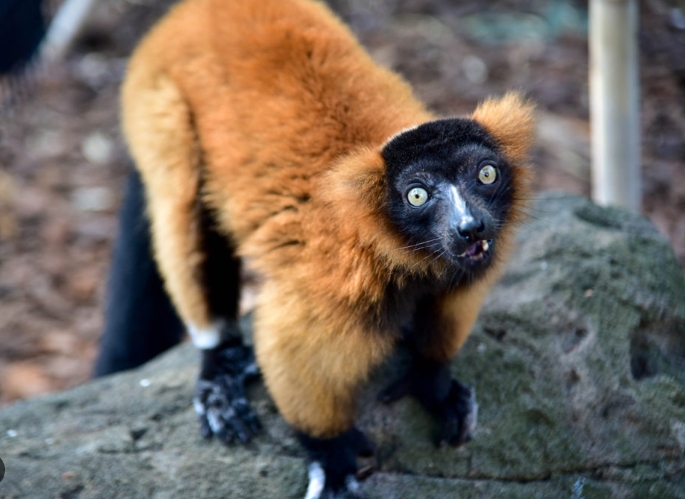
578	361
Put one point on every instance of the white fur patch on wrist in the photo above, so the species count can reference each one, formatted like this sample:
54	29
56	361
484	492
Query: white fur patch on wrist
206	338
317	481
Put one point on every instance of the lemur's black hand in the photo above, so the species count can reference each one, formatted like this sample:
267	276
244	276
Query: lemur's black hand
451	402
333	464
458	413
220	400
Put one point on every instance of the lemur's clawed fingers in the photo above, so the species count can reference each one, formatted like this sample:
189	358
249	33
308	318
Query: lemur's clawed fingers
224	412
220	400
451	402
459	415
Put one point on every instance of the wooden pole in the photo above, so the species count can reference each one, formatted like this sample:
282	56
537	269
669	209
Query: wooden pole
614	103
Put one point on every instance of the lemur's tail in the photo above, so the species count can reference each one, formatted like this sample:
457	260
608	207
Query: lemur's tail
140	321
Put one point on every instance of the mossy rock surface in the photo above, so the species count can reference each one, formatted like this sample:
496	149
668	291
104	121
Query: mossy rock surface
578	362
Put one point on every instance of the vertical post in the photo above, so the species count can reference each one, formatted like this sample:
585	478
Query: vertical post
64	28
614	103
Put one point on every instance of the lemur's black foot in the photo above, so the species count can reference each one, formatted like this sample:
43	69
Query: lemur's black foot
220	400
451	402
333	464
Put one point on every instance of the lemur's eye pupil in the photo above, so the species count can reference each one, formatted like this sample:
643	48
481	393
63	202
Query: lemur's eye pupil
417	196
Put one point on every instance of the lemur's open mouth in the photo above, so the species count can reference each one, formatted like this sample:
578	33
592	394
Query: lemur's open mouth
477	251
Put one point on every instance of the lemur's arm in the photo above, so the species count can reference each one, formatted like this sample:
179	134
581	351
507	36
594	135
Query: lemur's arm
313	367
439	329
449	319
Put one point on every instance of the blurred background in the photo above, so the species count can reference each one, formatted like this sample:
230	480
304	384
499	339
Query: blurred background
63	163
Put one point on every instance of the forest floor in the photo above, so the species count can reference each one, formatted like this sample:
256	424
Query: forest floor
63	162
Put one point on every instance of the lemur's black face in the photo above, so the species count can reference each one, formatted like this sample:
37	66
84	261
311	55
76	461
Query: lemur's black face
449	191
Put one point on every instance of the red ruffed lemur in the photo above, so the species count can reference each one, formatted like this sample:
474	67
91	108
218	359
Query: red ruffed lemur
264	135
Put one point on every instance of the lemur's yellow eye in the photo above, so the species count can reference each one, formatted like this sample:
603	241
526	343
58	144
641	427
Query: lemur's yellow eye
417	196
487	174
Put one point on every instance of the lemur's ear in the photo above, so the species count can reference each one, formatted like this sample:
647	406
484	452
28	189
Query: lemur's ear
510	121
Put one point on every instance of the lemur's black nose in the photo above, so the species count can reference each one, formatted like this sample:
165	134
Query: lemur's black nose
471	229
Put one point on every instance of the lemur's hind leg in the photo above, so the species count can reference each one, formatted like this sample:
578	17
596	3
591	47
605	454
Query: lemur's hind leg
201	272
220	401
439	328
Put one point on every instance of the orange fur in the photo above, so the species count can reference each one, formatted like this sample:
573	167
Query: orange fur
274	108
511	122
